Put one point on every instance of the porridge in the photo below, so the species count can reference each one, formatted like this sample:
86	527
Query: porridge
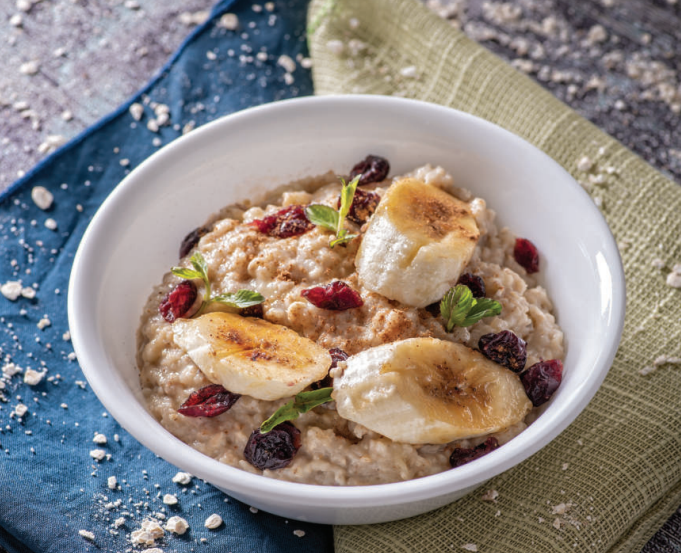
354	333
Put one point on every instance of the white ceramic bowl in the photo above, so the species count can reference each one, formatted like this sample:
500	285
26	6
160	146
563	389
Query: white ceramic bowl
142	223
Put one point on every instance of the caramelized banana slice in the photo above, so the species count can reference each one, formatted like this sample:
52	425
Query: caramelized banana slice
417	243
251	356
428	391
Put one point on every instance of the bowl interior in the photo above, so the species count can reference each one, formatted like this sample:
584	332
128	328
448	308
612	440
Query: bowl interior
138	230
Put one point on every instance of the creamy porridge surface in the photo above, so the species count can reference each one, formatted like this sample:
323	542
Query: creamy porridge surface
334	451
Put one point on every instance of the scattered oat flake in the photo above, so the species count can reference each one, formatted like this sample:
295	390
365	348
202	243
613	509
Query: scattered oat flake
43	323
674	280
86	534
16	20
136	110
42	197
147	534
177	525
213	522
584	164
29	67
120	521
11	289
99	439
556	523
253	510
287	63
299	533
229	21
20	410
170	499
469	547
565	466
10	369
98	454
490	495
124	162
32	377
28	292
182	478
409	72
111	483
51	224
560	509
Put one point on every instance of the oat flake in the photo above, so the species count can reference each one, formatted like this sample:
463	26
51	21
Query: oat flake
213	521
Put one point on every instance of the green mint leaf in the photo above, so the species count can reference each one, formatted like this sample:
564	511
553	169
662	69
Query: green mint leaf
300	404
200	265
346	197
455	305
482	308
342	238
322	216
241	298
189	274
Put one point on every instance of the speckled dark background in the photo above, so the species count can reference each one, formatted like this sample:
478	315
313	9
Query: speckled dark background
616	62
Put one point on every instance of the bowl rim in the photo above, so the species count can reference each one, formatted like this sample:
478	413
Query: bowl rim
240	481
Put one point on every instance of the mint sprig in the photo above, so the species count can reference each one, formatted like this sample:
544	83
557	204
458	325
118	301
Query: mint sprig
239	299
331	219
459	308
301	403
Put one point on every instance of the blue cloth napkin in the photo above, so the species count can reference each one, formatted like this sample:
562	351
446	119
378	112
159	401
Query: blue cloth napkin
51	487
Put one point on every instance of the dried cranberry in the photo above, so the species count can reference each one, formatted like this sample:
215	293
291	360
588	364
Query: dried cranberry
526	254
178	301
336	296
287	222
475	284
541	380
363	206
461	456
191	240
253	311
504	348
371	169
337	355
209	401
275	449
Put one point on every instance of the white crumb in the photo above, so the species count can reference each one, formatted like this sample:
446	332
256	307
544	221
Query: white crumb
469	547
183	478
177	525
32	377
229	21
11	289
86	534
584	164
98	454
29	68
170	499
99	439
213	521
42	197
112	482
136	110
490	495
299	533
50	224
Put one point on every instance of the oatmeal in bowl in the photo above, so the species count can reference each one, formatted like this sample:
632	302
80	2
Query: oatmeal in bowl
353	330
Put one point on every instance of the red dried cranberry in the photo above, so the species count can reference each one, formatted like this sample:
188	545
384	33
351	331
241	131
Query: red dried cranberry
191	240
178	301
541	380
371	169
337	355
461	456
504	348
526	254
363	206
287	222
209	401
475	284
253	311
336	296
275	449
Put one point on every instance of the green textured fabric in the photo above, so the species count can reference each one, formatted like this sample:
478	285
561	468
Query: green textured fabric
619	464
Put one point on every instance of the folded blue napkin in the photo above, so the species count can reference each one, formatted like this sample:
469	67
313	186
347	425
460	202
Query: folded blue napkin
55	491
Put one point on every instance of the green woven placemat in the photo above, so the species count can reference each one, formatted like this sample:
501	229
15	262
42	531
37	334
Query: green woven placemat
613	477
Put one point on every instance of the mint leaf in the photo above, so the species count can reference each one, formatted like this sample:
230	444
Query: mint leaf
241	298
346	197
200	265
301	403
459	308
455	305
482	308
189	274
322	216
342	238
